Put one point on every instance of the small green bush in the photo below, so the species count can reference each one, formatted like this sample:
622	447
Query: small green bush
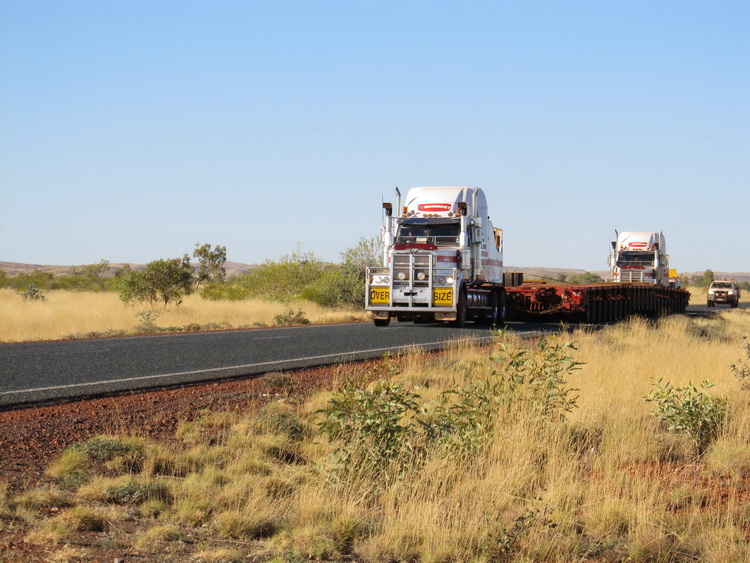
103	448
32	293
137	492
372	426
537	377
690	410
291	318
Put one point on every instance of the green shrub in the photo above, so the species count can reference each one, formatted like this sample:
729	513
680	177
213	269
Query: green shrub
32	293
291	318
224	292
136	491
285	279
372	426
386	429
691	411
103	448
536	377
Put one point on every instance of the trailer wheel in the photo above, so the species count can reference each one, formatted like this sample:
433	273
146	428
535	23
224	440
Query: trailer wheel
461	310
382	322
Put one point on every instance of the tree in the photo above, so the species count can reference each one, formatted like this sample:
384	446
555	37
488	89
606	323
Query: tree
210	263
94	271
344	284
708	277
585	278
166	281
354	269
285	279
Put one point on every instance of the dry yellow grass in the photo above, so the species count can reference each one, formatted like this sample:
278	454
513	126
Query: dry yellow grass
607	483
67	314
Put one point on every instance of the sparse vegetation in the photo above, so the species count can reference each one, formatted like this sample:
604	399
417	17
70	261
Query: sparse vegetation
299	288
528	450
291	318
32	293
690	410
72	315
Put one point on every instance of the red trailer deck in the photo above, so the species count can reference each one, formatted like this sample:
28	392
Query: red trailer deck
591	303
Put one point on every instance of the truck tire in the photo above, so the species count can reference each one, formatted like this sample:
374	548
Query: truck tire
709	303
499	314
382	322
461	310
735	304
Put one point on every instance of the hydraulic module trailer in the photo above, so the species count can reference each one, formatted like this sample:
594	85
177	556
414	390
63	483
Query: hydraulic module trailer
592	303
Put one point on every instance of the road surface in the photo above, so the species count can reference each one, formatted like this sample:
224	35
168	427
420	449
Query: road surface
50	371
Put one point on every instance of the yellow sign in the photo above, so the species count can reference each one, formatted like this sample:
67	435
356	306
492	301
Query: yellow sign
380	295
672	273
442	297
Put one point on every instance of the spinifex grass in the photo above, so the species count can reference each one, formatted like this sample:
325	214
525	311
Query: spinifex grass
69	314
600	479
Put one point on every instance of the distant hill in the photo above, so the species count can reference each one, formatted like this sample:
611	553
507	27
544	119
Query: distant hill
237	268
16	268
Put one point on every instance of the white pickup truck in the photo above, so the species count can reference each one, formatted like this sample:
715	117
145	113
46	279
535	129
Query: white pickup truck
723	291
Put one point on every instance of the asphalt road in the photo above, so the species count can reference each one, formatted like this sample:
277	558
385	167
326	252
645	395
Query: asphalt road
51	371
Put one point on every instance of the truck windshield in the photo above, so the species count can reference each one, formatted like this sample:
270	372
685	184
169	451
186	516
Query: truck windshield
635	258
437	234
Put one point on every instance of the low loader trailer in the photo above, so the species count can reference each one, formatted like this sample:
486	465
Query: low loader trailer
594	303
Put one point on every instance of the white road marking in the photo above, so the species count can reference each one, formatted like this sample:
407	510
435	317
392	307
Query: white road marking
218	370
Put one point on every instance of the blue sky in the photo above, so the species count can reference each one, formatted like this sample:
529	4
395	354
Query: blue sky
130	130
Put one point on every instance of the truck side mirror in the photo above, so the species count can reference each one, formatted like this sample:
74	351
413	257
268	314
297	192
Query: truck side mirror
462	208
388	208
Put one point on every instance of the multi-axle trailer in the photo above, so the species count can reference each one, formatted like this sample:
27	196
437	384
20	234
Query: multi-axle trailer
592	303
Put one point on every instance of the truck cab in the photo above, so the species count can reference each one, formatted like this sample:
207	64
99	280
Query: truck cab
442	260
639	257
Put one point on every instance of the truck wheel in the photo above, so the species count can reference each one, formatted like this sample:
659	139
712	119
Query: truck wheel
709	304
735	304
499	309
382	322
461	310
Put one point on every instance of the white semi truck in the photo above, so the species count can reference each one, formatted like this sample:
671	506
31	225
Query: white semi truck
640	257
442	260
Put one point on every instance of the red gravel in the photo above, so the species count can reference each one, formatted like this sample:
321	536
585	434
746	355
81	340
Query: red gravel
30	438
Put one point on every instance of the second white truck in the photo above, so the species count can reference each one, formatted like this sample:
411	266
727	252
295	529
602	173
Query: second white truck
442	260
640	257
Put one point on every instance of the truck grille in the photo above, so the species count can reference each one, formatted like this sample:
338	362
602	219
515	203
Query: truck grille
408	267
631	275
